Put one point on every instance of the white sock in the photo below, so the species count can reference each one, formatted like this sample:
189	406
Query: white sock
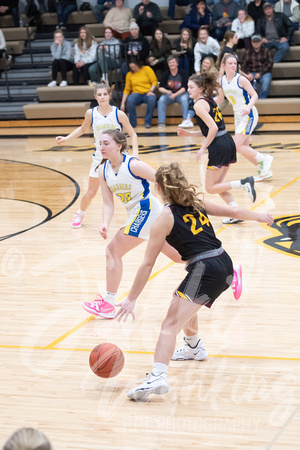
234	203
80	212
109	297
236	184
159	368
260	157
192	340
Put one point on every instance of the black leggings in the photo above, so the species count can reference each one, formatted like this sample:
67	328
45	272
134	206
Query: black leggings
85	72
61	65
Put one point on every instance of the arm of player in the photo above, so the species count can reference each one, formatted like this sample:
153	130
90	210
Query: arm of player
237	213
133	136
244	83
84	128
158	232
202	111
143	170
108	205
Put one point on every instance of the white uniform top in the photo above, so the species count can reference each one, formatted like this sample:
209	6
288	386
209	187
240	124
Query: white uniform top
237	95
125	185
102	123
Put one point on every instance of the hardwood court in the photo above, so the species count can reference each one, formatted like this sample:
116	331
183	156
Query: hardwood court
245	395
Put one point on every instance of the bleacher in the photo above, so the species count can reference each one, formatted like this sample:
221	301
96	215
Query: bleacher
72	101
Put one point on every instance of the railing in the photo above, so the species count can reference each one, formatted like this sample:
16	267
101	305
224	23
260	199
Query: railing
3	61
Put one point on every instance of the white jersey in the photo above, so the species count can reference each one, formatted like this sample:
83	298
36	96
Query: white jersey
102	123
237	95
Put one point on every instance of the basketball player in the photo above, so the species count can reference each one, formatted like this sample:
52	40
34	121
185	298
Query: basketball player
127	178
185	225
103	117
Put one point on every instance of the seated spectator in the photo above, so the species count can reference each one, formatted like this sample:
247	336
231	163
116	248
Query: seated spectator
173	87
140	84
185	48
173	3
85	55
224	13
118	19
64	8
100	7
10	7
61	51
257	64
208	65
291	9
108	57
243	25
228	45
276	30
206	46
256	9
29	439
160	49
2	44
198	17
147	15
134	45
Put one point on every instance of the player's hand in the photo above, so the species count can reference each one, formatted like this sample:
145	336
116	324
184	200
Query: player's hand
103	230
126	308
200	153
265	218
60	139
246	111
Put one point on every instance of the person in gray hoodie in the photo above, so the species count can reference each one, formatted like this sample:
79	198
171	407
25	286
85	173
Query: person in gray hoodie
61	51
224	12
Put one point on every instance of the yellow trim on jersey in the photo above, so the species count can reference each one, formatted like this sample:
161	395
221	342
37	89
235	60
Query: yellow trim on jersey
244	130
127	229
213	167
180	294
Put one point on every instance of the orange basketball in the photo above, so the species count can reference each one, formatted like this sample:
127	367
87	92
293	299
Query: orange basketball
106	360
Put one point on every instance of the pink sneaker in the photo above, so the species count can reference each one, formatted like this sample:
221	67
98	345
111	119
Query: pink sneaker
76	223
237	281
99	307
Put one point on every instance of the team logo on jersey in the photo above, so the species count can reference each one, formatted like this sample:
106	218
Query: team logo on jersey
286	236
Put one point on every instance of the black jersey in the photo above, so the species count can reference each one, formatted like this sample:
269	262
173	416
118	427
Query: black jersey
192	232
215	114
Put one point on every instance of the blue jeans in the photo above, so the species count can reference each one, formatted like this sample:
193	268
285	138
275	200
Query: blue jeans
133	100
63	12
281	47
15	14
98	10
265	83
173	3
165	100
105	64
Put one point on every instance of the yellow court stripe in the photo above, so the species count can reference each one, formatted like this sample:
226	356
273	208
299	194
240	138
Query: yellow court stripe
68	333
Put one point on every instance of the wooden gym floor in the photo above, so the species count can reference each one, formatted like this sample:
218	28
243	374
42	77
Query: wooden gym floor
245	395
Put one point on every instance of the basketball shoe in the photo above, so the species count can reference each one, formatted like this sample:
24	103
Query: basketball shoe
76	223
260	177
231	220
153	384
237	281
265	165
197	353
99	307
248	186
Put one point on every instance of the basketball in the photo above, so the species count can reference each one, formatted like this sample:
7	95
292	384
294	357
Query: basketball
106	360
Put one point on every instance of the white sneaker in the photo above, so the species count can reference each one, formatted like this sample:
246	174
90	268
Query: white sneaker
187	352
186	124
52	84
63	84
161	125
228	220
259	178
153	384
248	186
265	165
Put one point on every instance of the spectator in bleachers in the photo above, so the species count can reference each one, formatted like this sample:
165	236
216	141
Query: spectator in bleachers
108	57
160	49
257	64
10	7
85	55
256	9
228	45
276	30
173	3
134	45
147	15
244	26
100	7
118	19
198	17
61	51
64	8
2	44
173	87
208	65
140	85
206	46
224	13
185	48
291	9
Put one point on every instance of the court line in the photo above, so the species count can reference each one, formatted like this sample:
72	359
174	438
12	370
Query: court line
68	333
